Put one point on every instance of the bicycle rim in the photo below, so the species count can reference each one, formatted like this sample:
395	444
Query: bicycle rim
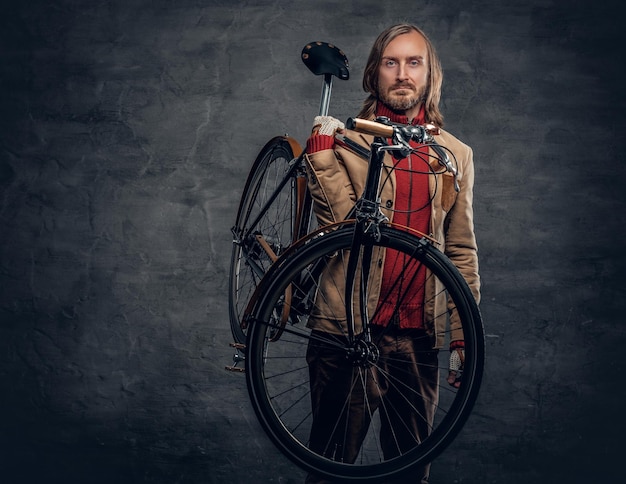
261	231
280	379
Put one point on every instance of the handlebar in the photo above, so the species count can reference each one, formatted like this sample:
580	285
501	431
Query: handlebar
369	127
381	128
401	135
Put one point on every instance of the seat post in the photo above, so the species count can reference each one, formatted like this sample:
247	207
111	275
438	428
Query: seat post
326	91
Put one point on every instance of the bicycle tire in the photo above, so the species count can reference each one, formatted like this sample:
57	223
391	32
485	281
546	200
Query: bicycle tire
256	224
277	372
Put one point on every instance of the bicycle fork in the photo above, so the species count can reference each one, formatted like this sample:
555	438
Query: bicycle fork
368	219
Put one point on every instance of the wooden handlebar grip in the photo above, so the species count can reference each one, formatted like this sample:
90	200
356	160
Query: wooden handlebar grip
369	127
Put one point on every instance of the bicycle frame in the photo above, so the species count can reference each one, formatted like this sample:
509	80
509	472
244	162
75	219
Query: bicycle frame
367	218
327	60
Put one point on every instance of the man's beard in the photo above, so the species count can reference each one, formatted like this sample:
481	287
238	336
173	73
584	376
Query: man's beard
402	103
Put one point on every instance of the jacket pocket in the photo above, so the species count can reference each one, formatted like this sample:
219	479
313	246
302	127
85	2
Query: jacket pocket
448	193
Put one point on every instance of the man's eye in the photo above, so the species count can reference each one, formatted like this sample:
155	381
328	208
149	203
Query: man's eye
390	63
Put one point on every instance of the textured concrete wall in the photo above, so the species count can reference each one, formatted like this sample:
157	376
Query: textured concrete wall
127	129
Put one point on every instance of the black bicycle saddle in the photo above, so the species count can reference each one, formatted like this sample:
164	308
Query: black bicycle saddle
325	58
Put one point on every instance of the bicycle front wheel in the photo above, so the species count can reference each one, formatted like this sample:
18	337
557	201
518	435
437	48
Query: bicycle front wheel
362	408
266	223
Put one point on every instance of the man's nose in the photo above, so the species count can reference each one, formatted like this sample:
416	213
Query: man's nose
402	72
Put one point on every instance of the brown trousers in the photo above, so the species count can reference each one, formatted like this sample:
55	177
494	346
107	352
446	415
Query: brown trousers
402	386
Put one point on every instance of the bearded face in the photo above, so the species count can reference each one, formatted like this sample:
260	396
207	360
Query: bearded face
403	73
402	96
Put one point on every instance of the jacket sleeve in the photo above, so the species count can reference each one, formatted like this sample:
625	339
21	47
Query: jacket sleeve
460	240
330	186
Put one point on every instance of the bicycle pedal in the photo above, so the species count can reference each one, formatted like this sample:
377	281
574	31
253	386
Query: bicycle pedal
237	358
235	369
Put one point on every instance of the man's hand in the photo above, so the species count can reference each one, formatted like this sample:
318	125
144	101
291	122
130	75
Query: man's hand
327	125
457	360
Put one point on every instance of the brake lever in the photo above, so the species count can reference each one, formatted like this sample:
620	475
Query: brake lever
444	161
402	135
425	135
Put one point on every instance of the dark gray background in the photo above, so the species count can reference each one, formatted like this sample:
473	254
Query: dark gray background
127	129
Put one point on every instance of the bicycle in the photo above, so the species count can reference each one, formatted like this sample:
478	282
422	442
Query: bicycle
287	297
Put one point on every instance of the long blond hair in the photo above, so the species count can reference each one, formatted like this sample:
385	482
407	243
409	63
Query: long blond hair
435	74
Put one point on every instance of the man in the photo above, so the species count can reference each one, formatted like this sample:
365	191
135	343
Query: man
403	78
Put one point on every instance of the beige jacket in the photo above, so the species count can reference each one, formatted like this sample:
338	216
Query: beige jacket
336	180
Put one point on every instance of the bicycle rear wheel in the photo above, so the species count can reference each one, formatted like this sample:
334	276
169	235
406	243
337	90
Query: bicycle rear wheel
363	416
273	197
